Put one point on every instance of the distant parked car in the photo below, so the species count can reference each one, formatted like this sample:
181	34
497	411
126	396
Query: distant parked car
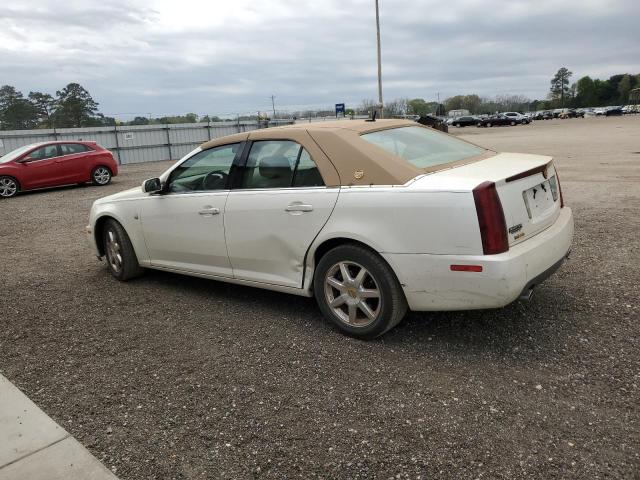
433	122
496	120
611	111
51	164
599	111
464	121
520	118
571	113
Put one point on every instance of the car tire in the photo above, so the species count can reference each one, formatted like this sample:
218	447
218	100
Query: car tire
456	125
101	176
366	304
513	124
489	124
9	187
122	261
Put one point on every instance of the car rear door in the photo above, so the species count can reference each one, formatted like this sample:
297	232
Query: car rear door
73	162
279	206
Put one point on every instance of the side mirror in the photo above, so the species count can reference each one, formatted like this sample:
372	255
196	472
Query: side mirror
26	159
153	185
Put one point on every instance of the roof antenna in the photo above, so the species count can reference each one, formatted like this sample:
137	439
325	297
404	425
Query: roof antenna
374	112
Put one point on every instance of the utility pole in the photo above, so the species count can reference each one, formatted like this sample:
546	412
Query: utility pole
379	62
273	104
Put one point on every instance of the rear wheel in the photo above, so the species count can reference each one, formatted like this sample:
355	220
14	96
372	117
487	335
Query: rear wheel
357	290
8	187
101	176
512	123
489	124
121	258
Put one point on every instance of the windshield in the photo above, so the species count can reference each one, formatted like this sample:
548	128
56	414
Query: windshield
422	147
13	154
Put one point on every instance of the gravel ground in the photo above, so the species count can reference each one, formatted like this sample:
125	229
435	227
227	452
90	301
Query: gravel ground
170	377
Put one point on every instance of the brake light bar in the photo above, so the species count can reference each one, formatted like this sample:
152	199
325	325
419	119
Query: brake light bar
493	227
528	173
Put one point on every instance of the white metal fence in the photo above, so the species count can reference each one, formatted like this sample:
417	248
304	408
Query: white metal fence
135	144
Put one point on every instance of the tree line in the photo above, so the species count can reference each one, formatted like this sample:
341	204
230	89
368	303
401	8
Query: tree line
71	107
586	92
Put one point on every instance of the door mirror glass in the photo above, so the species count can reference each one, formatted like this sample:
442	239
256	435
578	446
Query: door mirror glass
153	185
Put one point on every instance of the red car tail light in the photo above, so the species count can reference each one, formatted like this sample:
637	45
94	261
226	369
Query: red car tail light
493	227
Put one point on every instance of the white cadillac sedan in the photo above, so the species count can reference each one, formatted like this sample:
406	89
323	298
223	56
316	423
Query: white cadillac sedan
370	217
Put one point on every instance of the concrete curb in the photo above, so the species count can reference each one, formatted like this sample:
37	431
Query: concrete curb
34	447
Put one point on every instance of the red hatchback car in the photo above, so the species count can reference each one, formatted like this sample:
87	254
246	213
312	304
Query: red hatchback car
51	164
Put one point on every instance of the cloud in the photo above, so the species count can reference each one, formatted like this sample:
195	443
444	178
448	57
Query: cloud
163	56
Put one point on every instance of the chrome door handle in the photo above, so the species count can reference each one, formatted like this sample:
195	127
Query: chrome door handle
299	207
209	211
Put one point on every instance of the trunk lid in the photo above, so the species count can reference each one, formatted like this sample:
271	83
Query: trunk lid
527	186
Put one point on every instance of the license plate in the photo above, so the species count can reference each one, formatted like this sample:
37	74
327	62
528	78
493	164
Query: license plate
540	198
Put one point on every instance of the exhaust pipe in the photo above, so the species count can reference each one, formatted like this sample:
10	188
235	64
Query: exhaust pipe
526	294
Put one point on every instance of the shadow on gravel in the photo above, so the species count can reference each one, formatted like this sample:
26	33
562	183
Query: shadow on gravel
521	331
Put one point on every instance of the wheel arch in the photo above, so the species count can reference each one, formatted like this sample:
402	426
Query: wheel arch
16	180
316	252
98	229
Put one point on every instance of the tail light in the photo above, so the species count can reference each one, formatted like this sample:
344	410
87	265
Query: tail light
493	227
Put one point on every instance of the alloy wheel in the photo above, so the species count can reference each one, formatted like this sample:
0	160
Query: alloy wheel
114	251
102	175
353	294
8	187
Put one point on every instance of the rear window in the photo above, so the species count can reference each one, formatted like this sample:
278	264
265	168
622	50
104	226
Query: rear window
422	147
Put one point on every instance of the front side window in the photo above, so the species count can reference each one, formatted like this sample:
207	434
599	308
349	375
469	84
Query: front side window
206	170
422	147
280	164
42	153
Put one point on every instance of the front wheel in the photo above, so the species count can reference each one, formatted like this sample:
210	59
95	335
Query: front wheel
121	258
357	290
513	124
489	124
101	176
8	187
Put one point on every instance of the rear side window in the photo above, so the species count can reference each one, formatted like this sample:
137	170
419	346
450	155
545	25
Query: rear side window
280	164
307	174
422	147
71	148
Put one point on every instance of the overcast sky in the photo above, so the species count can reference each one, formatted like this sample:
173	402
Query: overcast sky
229	56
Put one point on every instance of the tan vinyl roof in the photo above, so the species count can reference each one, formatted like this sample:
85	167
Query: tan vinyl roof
342	157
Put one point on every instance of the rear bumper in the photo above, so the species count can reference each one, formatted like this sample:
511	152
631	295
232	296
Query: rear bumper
429	283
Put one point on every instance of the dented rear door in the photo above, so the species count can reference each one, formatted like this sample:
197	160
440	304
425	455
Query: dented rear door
268	231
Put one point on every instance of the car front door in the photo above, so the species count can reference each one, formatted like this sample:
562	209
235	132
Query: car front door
279	207
40	168
184	226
